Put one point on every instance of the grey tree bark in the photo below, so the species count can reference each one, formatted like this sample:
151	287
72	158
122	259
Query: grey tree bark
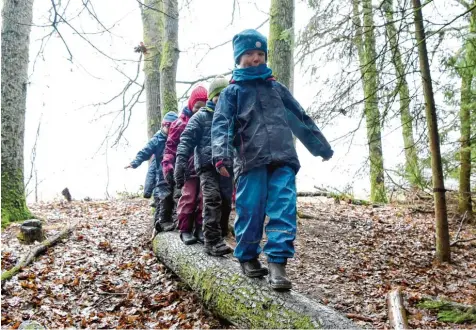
364	41
246	303
17	19
281	41
412	165
170	55
466	69
153	30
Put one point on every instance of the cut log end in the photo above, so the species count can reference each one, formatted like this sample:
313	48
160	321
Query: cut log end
244	302
31	231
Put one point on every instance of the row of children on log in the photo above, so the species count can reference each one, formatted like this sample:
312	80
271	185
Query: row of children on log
239	133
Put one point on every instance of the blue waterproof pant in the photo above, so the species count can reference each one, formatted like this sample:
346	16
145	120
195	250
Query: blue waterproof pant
260	192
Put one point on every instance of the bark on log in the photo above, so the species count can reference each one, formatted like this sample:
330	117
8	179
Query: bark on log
244	302
396	310
41	248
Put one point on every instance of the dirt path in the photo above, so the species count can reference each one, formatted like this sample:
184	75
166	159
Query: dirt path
103	276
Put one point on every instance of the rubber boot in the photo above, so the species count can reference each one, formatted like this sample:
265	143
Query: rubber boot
219	249
168	226
277	277
199	234
188	238
157	214
253	268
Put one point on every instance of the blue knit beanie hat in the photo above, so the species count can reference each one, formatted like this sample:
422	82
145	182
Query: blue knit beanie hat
169	117
249	40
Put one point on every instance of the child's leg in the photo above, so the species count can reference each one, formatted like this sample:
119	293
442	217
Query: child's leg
166	209
186	206
226	190
199	205
210	183
176	193
251	194
157	214
281	210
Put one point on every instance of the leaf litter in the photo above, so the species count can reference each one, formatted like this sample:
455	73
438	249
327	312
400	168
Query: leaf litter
104	276
349	257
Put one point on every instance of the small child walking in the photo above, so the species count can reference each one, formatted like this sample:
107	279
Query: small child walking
189	208
164	204
216	190
255	120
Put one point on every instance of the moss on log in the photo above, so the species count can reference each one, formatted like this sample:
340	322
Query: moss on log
448	311
244	302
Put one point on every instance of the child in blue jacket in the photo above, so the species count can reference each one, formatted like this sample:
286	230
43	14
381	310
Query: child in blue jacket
165	204
253	124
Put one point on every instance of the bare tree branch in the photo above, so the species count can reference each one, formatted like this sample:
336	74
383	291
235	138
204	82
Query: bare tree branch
193	82
54	24
33	154
211	48
157	10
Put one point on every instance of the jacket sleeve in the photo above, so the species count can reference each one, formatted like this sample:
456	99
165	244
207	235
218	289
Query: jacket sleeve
303	126
223	126
145	153
189	140
173	139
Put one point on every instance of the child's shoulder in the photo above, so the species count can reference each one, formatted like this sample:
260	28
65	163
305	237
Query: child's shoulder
231	88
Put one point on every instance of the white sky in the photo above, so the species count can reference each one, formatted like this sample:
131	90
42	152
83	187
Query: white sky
60	93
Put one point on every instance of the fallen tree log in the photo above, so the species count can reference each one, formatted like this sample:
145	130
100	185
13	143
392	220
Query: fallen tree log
244	302
449	311
396	310
314	194
35	252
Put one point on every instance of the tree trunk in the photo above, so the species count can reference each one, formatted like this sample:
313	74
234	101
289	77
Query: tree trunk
442	234
246	303
170	55
468	106
153	27
17	19
281	40
412	169
365	43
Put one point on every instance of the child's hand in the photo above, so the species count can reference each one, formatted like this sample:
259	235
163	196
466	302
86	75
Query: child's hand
223	171
328	155
128	166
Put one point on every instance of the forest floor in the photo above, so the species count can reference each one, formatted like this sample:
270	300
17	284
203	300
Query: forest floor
350	256
104	276
347	257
